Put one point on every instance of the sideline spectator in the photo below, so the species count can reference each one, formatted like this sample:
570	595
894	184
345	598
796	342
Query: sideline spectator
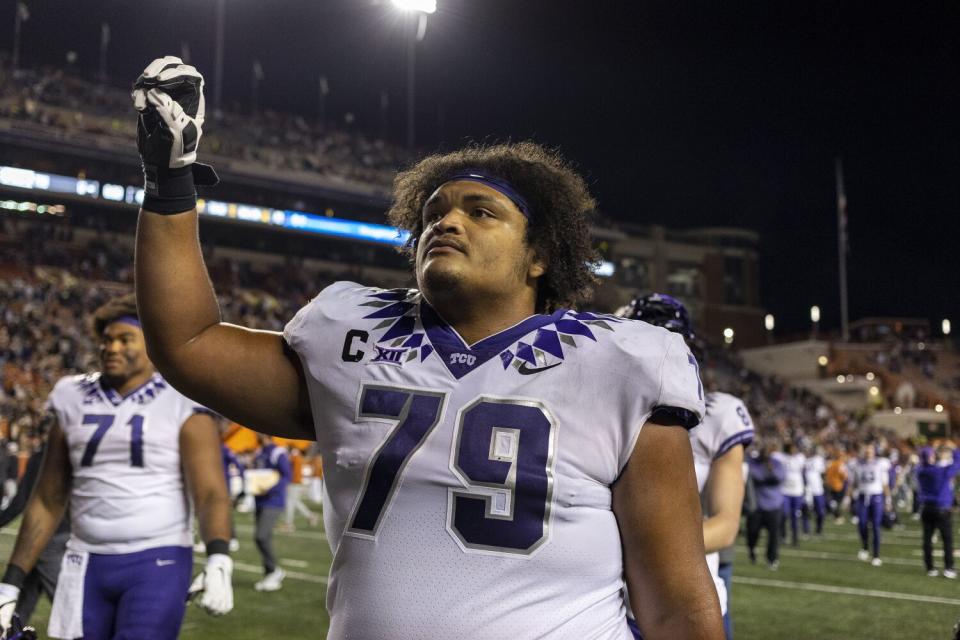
766	476
935	479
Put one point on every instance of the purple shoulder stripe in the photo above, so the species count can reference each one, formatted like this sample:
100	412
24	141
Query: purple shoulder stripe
744	437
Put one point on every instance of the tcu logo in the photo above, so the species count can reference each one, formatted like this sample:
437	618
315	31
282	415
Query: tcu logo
462	358
74	559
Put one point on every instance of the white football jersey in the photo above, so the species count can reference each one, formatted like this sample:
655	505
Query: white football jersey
725	425
813	470
793	465
128	491
869	478
467	488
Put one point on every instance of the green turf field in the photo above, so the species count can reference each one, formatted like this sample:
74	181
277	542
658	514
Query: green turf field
820	591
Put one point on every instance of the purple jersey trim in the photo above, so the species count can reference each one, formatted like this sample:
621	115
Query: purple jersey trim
743	437
459	358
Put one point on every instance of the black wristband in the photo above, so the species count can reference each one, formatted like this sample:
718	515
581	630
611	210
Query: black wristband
14	575
218	545
167	190
170	191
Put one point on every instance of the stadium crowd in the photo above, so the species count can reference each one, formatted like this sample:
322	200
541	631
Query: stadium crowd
63	101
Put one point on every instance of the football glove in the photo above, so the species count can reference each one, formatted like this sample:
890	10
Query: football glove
18	632
8	602
212	588
168	97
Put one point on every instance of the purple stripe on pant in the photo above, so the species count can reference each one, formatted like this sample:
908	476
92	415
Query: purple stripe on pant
819	510
870	508
791	509
136	596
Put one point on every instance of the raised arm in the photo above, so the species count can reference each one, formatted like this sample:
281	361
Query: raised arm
248	376
658	511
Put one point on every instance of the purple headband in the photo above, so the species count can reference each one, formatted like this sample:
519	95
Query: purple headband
134	320
494	182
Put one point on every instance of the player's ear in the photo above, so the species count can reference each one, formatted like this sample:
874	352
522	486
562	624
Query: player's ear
538	264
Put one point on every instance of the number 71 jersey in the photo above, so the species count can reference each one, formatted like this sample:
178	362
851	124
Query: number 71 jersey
127	491
468	487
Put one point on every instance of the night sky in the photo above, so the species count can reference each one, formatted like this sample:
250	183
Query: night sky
714	114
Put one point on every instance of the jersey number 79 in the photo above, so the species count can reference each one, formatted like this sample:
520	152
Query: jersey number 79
503	453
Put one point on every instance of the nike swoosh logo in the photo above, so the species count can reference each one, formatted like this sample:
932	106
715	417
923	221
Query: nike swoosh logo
164	563
525	370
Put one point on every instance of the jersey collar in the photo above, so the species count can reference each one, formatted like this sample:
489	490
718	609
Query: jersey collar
461	358
147	390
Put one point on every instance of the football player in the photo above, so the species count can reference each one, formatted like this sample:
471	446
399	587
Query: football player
126	452
495	463
793	487
814	501
869	485
718	444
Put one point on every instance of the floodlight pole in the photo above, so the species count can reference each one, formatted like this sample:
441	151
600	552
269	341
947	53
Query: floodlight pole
218	58
17	20
842	250
411	76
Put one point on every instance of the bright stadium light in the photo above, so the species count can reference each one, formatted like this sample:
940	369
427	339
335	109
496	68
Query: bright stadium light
768	322
814	313
945	326
822	361
841	378
938	408
423	6
418	12
897	410
874	391
870	375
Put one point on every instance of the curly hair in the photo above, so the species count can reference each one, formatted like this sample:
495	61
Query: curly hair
113	309
558	231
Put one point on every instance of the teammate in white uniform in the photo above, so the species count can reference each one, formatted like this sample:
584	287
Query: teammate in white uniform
813	499
125	452
717	442
490	472
794	463
869	484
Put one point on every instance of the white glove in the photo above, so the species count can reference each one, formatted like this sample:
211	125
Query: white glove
213	585
8	602
174	90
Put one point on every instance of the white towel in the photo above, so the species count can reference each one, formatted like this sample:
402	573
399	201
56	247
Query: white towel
66	617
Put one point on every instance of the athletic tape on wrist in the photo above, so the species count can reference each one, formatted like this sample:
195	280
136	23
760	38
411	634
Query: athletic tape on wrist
14	575
218	545
171	191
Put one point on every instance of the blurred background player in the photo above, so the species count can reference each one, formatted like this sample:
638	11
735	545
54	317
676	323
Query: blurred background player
935	476
765	479
493	505
717	442
269	508
297	491
793	488
836	484
127	452
813	499
870	488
